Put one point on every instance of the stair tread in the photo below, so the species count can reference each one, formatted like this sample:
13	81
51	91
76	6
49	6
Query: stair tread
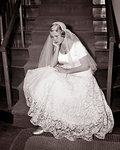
29	18
32	6
65	4
100	34
101	50
46	22
99	5
72	22
2	84
65	1
61	16
18	63
31	65
20	108
16	79
20	48
101	76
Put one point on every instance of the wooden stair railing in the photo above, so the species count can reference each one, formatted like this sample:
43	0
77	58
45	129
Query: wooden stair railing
4	44
111	42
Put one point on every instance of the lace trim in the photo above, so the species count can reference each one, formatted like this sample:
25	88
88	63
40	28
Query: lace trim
61	129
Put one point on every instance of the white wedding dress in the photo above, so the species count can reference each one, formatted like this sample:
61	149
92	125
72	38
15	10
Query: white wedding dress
67	105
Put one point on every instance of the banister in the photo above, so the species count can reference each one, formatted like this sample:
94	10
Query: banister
3	46
10	27
112	39
110	23
111	42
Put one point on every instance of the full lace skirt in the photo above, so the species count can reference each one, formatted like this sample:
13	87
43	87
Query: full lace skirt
71	106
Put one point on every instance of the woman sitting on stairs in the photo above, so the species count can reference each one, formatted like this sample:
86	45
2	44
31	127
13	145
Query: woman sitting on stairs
63	94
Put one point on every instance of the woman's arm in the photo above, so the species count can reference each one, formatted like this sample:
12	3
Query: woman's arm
54	59
83	67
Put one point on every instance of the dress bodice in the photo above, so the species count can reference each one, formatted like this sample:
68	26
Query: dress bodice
72	58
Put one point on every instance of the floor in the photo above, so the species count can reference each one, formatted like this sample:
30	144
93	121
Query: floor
8	132
7	135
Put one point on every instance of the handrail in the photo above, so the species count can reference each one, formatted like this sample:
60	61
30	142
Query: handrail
110	23
10	27
111	42
17	8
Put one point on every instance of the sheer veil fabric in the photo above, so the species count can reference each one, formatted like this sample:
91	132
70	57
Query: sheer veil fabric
71	38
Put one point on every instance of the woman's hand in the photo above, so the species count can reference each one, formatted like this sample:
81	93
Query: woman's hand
61	69
57	46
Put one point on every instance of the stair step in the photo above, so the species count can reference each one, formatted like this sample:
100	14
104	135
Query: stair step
101	50
34	53
17	39
29	23
32	2
101	58
101	76
66	1
31	10
20	110
3	98
101	2
1	61
18	63
30	65
100	45
100	26
74	23
99	12
39	38
20	113
116	77
21	93
18	57
16	75
100	41
18	121
99	5
84	9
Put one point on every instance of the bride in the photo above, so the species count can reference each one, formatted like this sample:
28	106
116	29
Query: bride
62	93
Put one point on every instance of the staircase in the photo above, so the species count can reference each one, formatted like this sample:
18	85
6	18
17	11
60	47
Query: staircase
102	52
77	16
85	18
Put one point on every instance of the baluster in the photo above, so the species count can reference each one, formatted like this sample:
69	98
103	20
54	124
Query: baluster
110	69
5	67
21	26
1	30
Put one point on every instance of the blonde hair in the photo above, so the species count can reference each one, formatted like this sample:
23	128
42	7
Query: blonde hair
57	28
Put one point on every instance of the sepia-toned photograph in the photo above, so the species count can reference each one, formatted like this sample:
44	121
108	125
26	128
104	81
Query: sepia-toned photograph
59	75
